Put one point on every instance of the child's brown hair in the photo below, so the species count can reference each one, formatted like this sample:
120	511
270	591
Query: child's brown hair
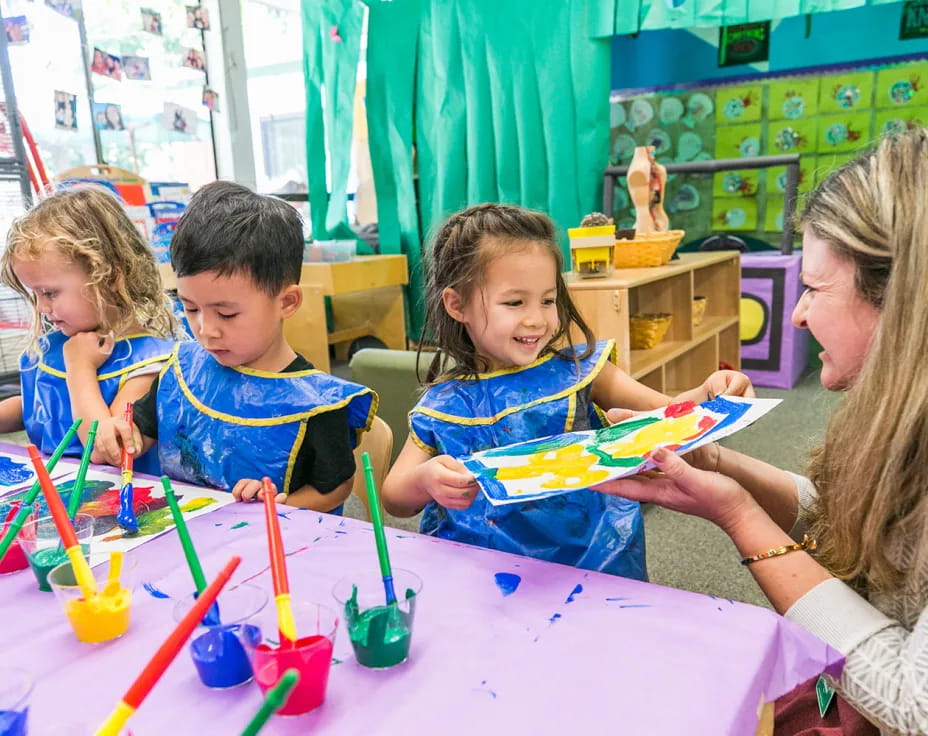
90	228
461	250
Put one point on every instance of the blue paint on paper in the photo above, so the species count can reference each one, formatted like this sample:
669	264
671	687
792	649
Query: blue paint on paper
319	520
638	605
507	582
620	598
12	472
578	589
283	516
554	618
153	591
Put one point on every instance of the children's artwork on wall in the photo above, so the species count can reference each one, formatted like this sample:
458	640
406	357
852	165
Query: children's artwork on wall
64	7
791	136
179	119
736	183
151	21
211	99
65	110
734	214
846	92
738	104
17	30
902	86
100	499
848	132
826	118
776	177
793	99
738	141
136	68
106	64
197	17
193	59
890	122
577	460
107	116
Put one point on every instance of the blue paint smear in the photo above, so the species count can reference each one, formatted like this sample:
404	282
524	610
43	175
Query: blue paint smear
578	589
507	582
153	591
319	520
637	605
554	618
484	689
283	516
338	532
12	472
620	598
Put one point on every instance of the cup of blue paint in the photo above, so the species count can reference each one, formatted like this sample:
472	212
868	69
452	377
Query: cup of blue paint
380	634
42	545
219	652
15	689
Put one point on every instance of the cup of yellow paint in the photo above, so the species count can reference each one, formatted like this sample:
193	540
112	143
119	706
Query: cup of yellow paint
40	541
106	615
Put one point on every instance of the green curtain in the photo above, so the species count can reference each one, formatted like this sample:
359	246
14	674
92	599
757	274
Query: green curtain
631	16
391	81
511	105
331	51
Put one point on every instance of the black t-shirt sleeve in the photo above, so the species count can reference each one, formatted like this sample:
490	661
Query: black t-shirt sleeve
145	411
325	460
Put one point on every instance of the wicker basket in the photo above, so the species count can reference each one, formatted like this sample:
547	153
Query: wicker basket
647	330
699	309
647	249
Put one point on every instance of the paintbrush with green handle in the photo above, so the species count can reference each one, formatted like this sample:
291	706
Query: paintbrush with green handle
190	553
77	490
274	700
379	536
13	529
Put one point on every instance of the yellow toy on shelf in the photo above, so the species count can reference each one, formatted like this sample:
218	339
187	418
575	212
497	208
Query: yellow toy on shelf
591	250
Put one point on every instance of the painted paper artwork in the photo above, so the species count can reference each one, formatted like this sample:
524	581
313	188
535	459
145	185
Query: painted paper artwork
101	500
576	460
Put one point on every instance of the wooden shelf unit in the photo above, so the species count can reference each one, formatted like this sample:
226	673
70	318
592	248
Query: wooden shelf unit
687	354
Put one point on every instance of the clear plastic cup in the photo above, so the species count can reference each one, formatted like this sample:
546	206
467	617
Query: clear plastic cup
15	559
380	634
310	655
106	615
15	689
42	545
218	646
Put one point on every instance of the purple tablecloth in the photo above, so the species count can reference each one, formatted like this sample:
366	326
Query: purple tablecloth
568	652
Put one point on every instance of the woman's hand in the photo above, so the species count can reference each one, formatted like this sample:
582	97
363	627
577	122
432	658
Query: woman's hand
681	487
448	481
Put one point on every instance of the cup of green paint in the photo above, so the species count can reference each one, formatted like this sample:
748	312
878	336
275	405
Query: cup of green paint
42	545
380	634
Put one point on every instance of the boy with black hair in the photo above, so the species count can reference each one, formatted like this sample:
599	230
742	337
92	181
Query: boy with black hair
239	404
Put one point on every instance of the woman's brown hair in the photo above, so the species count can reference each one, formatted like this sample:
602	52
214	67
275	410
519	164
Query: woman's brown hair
872	469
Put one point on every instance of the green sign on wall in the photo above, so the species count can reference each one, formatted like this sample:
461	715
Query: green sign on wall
747	43
914	20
